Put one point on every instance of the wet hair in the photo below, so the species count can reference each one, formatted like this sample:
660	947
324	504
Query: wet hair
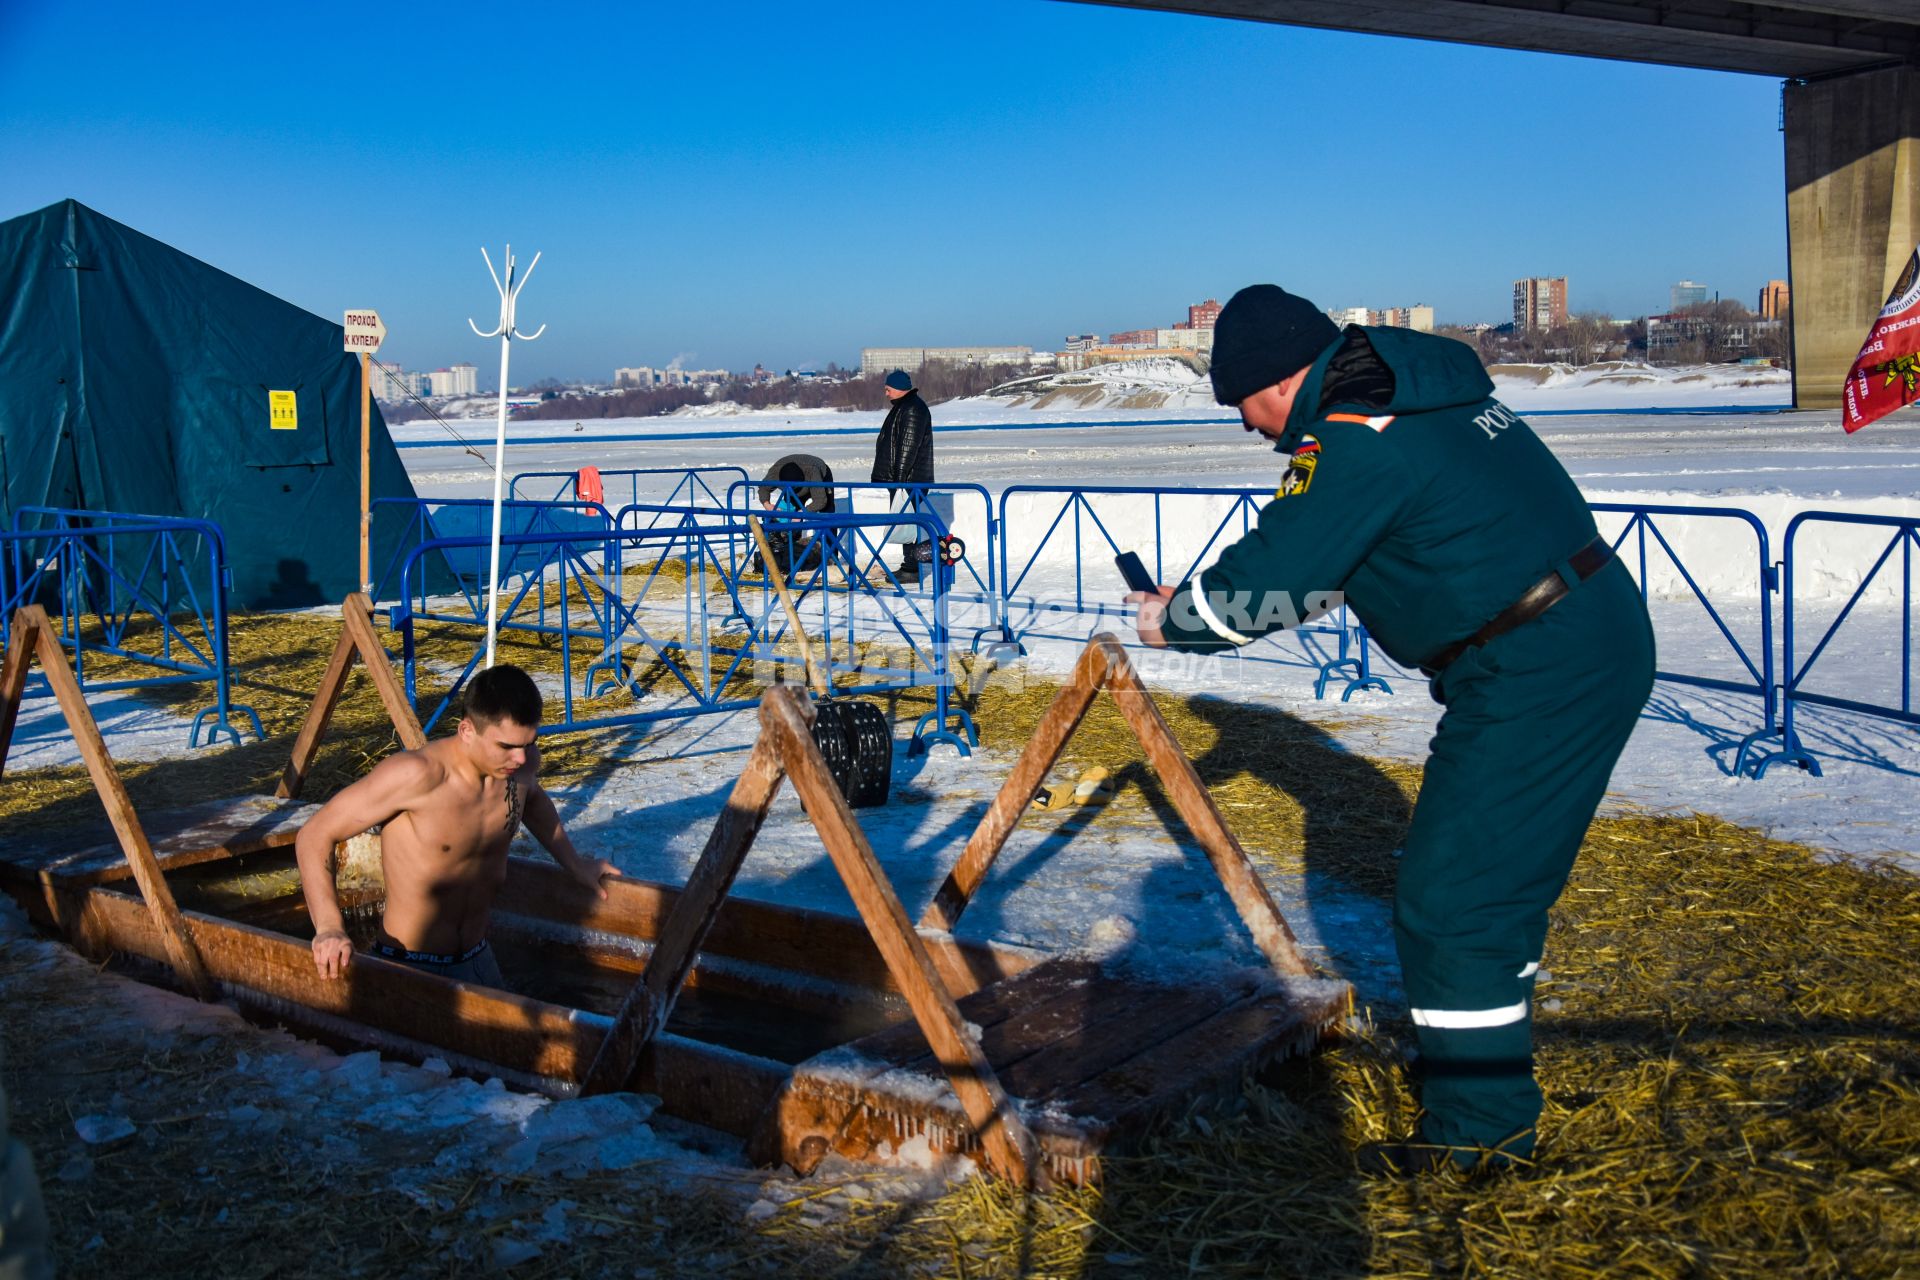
504	692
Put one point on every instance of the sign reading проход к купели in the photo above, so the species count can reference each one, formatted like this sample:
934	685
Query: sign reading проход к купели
364	331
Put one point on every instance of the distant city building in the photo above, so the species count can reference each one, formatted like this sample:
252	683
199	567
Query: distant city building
880	360
1182	339
646	376
1666	333
1134	338
1415	317
460	380
393	384
1072	360
1775	299
1540	302
1686	294
1201	315
1419	316
1082	341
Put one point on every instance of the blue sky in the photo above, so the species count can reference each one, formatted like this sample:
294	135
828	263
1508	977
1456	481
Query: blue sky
781	183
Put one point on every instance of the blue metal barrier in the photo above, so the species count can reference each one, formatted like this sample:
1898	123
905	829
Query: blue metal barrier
127	571
690	486
1755	658
705	543
1905	534
743	496
1022	618
427	522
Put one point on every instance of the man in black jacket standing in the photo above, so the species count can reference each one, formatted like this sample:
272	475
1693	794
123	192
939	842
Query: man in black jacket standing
903	454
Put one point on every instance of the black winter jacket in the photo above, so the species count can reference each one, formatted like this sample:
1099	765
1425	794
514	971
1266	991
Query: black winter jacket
904	451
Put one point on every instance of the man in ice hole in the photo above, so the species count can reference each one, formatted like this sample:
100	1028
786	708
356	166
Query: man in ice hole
447	813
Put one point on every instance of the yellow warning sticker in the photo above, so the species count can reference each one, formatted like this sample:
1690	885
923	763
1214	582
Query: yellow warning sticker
283	413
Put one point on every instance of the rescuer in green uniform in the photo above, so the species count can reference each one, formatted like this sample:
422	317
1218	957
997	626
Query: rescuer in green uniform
1467	550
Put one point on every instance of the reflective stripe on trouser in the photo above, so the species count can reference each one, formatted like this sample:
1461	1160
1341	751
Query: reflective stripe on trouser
1534	724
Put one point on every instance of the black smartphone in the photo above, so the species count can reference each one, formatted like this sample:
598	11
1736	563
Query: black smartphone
1135	572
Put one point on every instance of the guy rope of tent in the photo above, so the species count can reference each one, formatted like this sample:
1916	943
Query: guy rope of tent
1104	665
34	635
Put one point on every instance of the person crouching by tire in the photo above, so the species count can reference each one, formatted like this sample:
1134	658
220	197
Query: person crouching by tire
903	454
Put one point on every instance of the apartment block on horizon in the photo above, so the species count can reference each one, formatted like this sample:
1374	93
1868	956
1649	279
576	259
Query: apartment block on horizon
1201	315
459	380
880	360
1775	300
392	383
1540	302
1687	293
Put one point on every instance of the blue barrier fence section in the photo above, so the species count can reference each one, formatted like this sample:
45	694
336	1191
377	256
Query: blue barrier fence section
1856	659
669	486
679	623
1742	660
146	591
461	521
951	506
1045	530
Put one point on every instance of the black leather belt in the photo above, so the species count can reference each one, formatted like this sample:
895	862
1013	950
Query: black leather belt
1533	602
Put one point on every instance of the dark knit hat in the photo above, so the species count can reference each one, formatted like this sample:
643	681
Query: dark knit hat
899	380
1265	335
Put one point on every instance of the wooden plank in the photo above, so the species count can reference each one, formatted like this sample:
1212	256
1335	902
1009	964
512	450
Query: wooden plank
13	679
1120	1020
817	943
1244	886
987	1009
1069	707
650	1003
1212	1055
1009	1147
178	837
181	952
333	683
704	1083
359	625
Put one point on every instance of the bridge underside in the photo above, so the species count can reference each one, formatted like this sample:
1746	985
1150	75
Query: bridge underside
1852	114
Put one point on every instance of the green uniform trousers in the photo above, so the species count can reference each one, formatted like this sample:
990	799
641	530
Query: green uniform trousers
1534	722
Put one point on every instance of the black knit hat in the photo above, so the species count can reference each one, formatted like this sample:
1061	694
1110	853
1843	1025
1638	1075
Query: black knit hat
899	381
1265	335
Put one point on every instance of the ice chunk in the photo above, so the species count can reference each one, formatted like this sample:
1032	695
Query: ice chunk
96	1130
511	1253
358	1071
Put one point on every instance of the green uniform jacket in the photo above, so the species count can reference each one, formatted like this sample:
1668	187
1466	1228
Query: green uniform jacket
1410	490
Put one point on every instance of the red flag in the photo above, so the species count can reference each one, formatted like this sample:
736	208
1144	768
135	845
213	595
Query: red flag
1886	373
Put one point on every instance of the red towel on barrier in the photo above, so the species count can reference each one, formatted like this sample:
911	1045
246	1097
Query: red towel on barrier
586	485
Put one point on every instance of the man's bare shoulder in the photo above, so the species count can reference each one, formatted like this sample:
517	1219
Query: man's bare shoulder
414	772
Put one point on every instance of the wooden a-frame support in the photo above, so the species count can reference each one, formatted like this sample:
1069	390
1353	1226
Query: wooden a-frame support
1104	665
34	636
357	639
786	749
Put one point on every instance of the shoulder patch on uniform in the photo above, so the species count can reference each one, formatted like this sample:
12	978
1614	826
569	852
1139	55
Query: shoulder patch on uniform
1300	466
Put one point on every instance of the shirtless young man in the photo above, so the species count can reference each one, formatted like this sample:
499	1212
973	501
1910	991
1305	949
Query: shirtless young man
450	809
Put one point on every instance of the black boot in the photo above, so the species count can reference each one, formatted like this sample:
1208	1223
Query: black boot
909	571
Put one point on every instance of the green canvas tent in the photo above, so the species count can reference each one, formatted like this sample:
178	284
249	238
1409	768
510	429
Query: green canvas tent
135	378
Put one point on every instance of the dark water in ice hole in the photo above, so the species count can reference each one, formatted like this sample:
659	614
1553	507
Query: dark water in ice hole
263	890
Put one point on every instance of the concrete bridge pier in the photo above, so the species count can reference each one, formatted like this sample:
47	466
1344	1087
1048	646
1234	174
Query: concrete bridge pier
1853	214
